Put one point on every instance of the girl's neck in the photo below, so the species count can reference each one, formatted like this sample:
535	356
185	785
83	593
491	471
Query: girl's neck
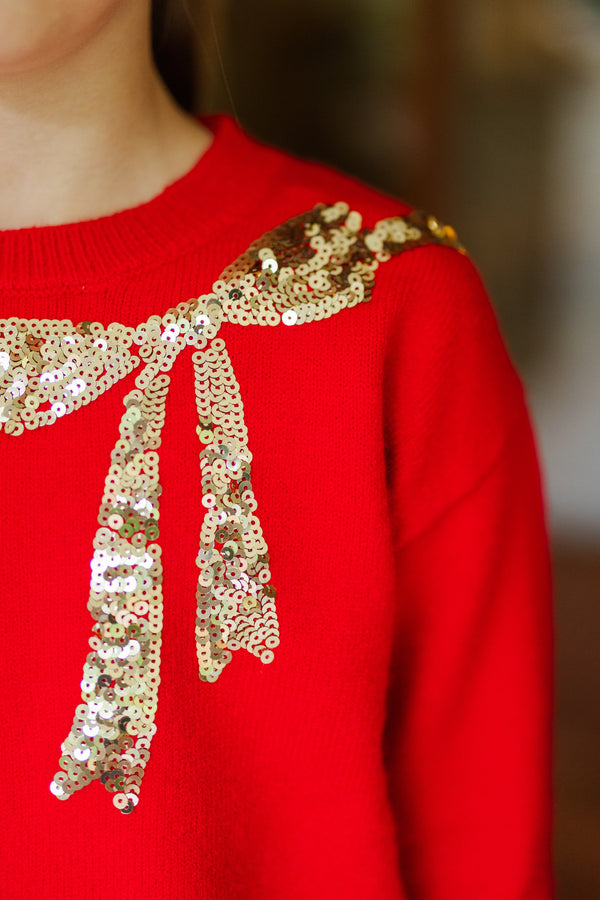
92	132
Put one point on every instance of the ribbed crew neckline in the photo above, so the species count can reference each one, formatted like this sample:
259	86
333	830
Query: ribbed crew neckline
226	180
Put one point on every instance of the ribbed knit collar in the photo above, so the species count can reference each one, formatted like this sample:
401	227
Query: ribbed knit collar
226	181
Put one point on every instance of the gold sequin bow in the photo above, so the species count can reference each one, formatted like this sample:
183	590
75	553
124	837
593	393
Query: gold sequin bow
306	269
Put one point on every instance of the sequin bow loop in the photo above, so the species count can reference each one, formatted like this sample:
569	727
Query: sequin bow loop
307	269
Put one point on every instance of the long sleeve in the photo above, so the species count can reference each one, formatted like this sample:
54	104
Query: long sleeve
468	733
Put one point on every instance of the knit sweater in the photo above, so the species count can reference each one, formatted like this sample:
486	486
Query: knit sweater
313	657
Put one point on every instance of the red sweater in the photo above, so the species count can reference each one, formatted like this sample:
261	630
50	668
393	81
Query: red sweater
373	624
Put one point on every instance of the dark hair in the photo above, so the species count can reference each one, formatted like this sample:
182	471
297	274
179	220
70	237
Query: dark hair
175	50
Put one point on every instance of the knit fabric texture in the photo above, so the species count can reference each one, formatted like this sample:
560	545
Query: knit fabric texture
398	744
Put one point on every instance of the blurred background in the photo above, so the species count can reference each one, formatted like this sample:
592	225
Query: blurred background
488	115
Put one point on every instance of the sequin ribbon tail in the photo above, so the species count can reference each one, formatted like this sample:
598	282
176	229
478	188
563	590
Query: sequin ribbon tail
113	727
236	603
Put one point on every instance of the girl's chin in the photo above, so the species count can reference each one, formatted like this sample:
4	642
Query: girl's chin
35	34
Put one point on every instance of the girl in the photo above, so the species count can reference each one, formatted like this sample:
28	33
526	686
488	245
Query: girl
276	583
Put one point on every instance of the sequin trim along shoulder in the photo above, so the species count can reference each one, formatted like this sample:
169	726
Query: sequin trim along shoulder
307	269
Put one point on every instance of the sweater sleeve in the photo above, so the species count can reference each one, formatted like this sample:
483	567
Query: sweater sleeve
467	742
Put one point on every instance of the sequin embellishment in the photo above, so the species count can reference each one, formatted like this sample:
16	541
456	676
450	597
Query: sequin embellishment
307	269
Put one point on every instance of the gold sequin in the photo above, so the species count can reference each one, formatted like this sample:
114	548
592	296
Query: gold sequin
307	269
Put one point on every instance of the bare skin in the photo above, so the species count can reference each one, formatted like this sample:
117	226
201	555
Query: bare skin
87	127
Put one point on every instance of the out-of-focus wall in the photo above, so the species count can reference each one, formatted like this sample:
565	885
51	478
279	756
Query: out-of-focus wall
566	386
